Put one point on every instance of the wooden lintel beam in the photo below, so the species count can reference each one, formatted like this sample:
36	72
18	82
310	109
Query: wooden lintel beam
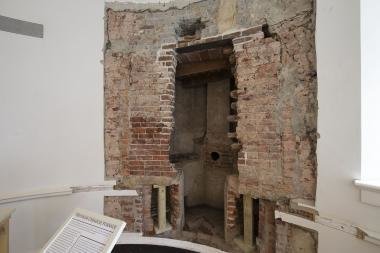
201	67
204	46
203	78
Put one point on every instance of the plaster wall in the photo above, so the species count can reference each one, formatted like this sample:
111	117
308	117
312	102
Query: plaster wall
51	110
51	93
190	117
339	123
201	128
35	221
218	108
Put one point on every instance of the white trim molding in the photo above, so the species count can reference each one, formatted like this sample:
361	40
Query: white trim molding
303	205
121	193
106	187
373	185
296	220
346	227
34	194
369	191
370	236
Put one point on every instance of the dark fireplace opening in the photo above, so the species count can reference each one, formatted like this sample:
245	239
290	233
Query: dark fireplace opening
201	143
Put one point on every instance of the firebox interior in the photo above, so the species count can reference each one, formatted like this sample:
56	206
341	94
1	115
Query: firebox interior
201	147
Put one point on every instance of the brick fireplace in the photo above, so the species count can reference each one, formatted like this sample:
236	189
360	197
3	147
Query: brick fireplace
209	122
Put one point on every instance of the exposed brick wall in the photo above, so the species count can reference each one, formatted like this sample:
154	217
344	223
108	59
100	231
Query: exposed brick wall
140	79
298	105
231	194
128	209
216	140
148	225
277	108
282	237
116	73
294	239
257	64
277	111
151	116
135	211
175	205
267	228
284	205
139	113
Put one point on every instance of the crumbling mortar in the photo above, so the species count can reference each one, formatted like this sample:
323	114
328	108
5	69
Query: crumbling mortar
298	15
307	137
118	8
284	46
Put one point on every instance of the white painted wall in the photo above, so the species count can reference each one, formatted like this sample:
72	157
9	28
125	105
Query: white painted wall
370	31
35	221
51	93
339	148
51	111
332	241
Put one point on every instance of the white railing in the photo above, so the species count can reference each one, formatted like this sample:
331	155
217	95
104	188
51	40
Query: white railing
136	238
326	221
64	190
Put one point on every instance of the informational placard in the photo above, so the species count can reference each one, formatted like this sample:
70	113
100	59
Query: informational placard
85	231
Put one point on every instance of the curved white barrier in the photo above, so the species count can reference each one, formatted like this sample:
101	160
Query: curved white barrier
137	238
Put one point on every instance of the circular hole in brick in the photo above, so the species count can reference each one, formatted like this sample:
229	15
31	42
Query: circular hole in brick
215	156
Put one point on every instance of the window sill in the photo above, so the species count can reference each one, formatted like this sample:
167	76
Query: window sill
369	191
